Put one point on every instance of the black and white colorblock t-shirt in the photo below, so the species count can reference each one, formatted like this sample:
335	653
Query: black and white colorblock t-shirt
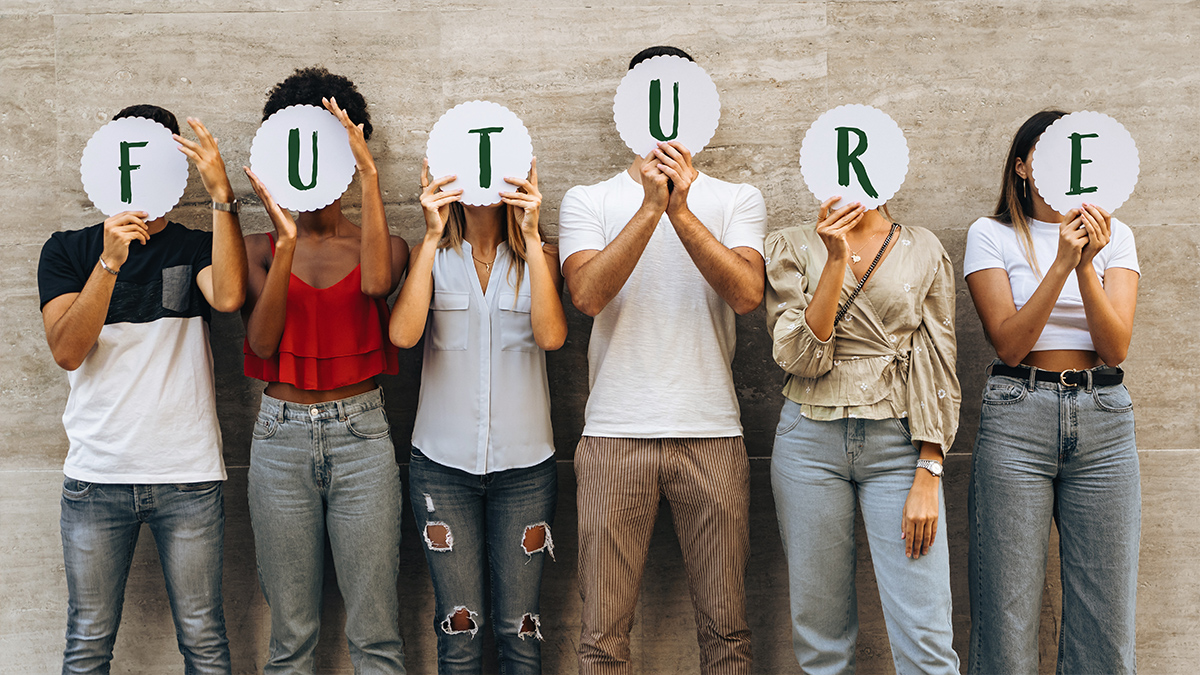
142	407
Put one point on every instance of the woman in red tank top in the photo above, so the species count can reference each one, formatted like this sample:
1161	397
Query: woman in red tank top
321	459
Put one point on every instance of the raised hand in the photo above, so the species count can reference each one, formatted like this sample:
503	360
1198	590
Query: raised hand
654	184
1098	224
119	231
358	142
1072	237
285	227
528	199
435	203
207	158
832	227
675	161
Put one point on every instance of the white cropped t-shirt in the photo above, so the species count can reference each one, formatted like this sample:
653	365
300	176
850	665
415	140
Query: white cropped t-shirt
992	244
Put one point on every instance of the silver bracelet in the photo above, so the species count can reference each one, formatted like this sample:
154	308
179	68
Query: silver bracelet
107	268
228	207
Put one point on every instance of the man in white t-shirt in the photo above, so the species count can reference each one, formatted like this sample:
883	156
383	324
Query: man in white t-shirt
662	256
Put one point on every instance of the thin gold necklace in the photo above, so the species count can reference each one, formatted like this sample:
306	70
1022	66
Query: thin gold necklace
855	258
487	266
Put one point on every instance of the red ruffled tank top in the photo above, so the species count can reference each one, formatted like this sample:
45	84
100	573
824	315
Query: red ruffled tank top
333	337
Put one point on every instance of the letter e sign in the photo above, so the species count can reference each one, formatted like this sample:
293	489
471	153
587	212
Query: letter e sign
1085	157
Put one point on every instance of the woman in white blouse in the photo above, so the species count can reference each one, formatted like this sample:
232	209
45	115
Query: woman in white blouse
1056	295
483	290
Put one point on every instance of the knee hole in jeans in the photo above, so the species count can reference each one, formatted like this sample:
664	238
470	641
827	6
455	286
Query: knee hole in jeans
537	538
461	620
438	536
531	627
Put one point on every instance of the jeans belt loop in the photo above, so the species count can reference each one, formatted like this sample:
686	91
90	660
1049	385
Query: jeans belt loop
341	408
1033	377
1088	386
280	412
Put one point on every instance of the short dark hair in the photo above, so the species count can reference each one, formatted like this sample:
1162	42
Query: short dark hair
151	112
660	50
307	86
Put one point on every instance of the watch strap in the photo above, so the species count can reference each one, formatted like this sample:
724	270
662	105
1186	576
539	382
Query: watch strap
228	207
932	466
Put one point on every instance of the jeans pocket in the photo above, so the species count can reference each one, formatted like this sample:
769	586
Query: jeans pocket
206	486
902	425
1113	399
264	427
1004	391
76	489
789	417
369	425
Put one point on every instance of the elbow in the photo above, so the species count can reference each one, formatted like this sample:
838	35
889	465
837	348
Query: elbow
402	339
588	305
552	342
746	305
261	350
1113	356
377	290
231	303
68	362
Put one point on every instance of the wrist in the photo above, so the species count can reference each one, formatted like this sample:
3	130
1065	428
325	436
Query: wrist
285	242
110	269
222	193
368	172
432	238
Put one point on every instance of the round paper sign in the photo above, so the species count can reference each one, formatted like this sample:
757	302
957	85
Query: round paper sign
666	98
302	154
1085	157
133	164
855	151
481	143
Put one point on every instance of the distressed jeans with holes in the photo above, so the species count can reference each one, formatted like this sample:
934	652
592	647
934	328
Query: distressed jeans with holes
1048	451
479	539
100	524
327	467
821	472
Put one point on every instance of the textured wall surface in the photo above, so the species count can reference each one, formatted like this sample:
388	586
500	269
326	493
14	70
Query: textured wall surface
959	76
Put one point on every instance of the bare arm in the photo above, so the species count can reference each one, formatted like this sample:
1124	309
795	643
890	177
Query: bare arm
224	282
73	320
265	311
737	275
1013	332
412	307
1108	306
545	284
832	227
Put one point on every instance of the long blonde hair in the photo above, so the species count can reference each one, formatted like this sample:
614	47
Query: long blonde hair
1016	203
452	237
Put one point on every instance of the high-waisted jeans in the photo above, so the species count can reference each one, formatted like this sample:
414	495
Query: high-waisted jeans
1051	451
487	521
820	472
327	467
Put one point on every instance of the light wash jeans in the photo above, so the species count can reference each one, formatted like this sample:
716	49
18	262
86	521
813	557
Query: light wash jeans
327	467
100	524
820	471
1047	450
487	517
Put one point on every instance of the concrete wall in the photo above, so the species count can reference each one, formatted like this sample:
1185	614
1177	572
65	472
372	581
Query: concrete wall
958	75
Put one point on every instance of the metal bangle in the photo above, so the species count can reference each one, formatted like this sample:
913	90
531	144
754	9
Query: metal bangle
228	207
107	268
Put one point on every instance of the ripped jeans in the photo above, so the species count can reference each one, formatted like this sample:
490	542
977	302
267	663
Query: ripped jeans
481	530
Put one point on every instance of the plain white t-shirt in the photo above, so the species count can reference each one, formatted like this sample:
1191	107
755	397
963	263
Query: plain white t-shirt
660	352
992	244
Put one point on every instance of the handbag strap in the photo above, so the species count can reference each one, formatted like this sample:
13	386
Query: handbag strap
842	309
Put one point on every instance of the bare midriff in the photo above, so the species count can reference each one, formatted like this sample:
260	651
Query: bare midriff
1062	359
293	394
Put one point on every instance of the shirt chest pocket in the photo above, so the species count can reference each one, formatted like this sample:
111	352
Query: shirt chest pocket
449	320
177	288
516	325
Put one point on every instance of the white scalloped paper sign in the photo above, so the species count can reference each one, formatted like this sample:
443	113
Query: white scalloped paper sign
1085	157
855	151
481	143
133	164
666	98
302	154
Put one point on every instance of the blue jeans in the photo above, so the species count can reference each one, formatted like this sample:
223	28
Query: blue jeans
327	468
100	524
819	470
1068	453
486	519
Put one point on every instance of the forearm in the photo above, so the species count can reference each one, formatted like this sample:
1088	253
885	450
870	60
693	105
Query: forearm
264	326
74	334
376	254
596	282
546	314
229	265
823	307
738	281
1110	334
1016	336
407	324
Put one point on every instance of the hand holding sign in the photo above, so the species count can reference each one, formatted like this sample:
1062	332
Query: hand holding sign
302	156
1085	157
435	203
363	160
666	98
529	199
479	142
133	164
285	227
857	152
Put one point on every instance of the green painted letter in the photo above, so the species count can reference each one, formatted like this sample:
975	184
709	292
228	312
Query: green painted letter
656	110
485	153
126	168
845	158
294	161
1077	162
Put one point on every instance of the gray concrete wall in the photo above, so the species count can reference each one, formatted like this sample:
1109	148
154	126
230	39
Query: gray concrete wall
959	76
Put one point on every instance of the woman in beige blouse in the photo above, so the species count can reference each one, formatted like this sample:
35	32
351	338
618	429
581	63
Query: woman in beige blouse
871	403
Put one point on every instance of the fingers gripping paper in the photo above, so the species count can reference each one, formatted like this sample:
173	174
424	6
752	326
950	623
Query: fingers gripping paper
1085	157
481	143
855	151
666	98
133	164
302	154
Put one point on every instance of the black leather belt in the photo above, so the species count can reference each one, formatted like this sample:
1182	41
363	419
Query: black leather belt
1101	377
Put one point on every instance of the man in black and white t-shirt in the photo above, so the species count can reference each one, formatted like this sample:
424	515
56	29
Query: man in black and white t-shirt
126	306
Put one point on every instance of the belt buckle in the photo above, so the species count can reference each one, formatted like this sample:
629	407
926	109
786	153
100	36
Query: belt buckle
1062	378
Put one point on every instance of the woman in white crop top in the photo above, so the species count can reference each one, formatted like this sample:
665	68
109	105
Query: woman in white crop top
1056	295
484	292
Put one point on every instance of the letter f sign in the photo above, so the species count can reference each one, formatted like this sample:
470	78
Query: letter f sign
127	169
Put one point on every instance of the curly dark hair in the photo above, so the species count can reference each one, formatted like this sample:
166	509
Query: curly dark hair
151	112
307	86
660	50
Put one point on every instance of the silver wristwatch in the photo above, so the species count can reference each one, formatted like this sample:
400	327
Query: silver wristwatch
227	207
931	465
